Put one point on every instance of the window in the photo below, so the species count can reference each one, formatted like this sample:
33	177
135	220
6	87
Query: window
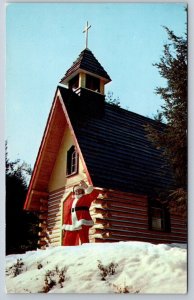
72	161
159	217
74	83
92	83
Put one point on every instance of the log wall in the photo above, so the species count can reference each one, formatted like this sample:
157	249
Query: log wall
55	216
124	217
117	217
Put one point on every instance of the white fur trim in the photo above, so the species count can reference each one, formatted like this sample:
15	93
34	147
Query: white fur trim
77	225
70	227
89	189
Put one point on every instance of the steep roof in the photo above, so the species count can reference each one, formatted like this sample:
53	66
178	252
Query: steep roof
114	145
87	61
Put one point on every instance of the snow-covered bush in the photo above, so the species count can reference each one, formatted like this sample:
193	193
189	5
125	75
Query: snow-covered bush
39	266
106	270
54	278
124	289
16	268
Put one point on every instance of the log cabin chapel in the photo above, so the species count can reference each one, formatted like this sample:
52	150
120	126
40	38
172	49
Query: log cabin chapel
88	139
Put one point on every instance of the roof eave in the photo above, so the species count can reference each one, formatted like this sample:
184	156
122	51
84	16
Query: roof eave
67	78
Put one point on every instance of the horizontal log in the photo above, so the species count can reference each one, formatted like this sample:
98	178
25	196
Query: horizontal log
35	205
100	221
100	214
178	218
128	221
96	211
100	235
42	217
55	240
131	225
53	225
60	190
55	206
102	205
55	244
94	230
53	220
178	221
97	240
53	231
54	214
133	210
156	237
145	232
44	202
42	225
97	216
43	230
127	202
57	197
178	227
40	193
127	205
42	242
118	216
125	195
103	225
133	214
140	232
98	201
145	239
43	209
118	193
54	202
42	234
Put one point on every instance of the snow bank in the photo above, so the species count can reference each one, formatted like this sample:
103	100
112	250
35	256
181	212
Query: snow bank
124	267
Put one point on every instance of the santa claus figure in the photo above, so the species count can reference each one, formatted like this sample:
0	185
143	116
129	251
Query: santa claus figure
76	216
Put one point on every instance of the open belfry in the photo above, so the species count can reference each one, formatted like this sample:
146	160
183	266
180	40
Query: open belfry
105	147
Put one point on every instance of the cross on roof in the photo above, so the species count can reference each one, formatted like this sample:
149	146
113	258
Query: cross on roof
86	31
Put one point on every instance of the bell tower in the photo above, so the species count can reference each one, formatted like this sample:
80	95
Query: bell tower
86	72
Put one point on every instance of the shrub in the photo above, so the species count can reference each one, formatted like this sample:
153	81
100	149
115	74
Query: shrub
16	269
54	277
124	289
106	270
39	266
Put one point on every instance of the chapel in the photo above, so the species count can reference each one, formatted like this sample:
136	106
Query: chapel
88	139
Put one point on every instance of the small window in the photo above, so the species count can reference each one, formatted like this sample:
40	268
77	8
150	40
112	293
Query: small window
92	83
159	217
72	161
74	83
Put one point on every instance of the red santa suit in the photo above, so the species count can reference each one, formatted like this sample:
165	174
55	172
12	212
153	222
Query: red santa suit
76	217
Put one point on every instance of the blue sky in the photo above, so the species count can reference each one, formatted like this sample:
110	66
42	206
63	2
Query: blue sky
43	40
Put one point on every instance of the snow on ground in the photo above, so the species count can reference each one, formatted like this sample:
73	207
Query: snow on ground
123	267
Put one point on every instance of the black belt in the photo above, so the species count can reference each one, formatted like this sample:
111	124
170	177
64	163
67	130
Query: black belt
80	208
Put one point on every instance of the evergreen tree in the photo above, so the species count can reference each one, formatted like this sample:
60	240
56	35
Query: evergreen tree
21	226
111	100
173	139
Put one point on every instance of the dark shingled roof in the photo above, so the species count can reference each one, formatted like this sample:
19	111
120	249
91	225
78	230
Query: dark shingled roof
114	145
87	61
